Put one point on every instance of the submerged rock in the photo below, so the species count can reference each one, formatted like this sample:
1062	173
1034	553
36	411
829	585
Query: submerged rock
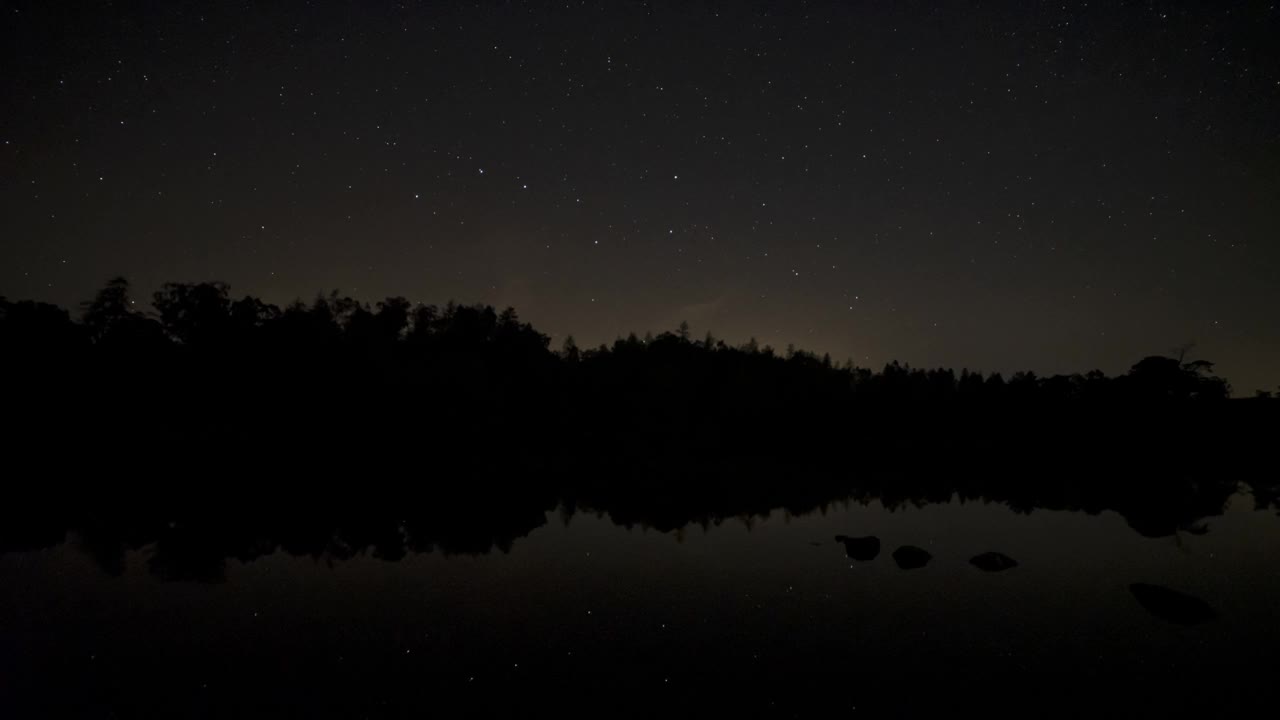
910	557
860	548
1171	605
993	562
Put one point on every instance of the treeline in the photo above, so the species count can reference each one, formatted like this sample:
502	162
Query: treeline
397	341
206	407
233	390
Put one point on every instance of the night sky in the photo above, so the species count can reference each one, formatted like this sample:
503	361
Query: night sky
998	186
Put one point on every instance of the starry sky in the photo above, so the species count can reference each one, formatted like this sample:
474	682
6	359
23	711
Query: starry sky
992	185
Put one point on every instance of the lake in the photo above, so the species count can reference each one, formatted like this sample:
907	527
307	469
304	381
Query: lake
572	613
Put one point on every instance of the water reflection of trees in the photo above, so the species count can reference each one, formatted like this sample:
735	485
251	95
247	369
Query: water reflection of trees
216	428
197	545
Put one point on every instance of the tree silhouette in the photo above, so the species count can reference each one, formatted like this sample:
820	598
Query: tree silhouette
569	351
465	391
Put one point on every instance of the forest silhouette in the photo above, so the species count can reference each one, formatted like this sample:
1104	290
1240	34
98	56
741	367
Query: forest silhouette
244	416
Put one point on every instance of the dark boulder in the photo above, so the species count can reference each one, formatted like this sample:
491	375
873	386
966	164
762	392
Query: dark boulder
1171	605
910	557
861	549
993	562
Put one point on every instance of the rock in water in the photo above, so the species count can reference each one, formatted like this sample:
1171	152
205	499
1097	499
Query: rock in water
1171	605
861	549
993	562
910	557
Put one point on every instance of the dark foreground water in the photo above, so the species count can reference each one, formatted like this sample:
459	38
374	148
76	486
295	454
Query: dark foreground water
768	617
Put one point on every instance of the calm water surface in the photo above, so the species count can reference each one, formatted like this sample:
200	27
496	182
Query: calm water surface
769	616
